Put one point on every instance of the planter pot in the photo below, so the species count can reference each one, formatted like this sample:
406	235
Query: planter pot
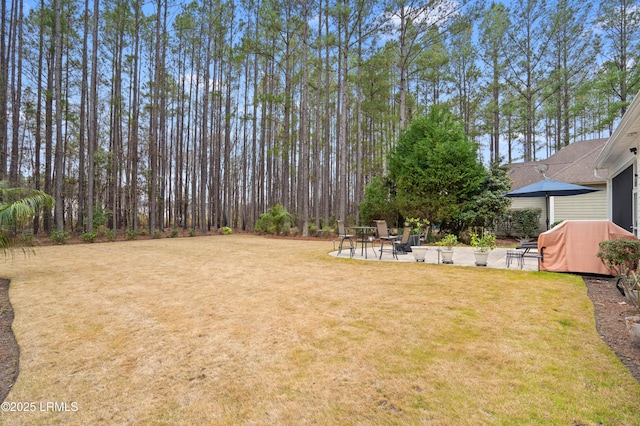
419	253
633	326
414	240
481	257
447	255
632	297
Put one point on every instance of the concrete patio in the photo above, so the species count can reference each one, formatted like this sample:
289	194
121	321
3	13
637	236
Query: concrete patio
462	256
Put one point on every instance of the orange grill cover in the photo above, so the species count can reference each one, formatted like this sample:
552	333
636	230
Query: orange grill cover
572	246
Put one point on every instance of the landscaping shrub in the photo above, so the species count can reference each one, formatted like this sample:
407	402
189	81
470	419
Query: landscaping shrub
621	256
60	237
274	220
110	234
525	223
89	237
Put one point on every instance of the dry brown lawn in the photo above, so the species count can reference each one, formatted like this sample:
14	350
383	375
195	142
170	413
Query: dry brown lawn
249	330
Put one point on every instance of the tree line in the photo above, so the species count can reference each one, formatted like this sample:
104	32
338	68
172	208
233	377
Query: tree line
205	114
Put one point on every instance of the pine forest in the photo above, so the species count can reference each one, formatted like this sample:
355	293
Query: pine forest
199	115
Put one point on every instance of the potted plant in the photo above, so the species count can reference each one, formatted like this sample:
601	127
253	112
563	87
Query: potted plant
447	243
483	244
418	229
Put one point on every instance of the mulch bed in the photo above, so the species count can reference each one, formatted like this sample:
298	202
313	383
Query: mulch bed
9	350
610	310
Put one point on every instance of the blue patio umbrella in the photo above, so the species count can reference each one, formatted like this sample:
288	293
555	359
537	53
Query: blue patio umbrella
550	188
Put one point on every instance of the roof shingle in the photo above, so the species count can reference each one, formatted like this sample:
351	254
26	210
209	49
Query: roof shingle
573	164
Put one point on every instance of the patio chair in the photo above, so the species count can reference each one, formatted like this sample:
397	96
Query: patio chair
385	237
342	234
517	255
402	244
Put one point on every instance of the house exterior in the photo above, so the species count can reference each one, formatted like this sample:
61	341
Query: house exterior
572	164
619	162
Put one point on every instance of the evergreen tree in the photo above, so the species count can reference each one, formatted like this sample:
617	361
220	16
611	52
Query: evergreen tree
435	170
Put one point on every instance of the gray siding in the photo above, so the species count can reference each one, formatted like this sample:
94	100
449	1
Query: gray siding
582	207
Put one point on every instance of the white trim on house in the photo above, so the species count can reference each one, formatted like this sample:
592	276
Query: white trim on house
620	152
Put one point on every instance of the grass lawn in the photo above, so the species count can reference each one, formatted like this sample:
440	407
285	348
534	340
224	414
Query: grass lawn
250	330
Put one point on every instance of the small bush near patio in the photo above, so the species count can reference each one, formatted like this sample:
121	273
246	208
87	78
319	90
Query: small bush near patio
525	223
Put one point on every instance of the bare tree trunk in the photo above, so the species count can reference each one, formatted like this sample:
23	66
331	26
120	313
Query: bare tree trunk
82	155
48	137
204	142
93	116
38	133
343	137
317	170
135	123
303	164
154	134
4	90
326	174
59	157
16	73
162	123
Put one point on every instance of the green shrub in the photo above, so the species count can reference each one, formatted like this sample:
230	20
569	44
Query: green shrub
192	232
226	230
27	239
131	234
274	220
110	234
620	255
174	233
448	240
100	216
157	234
88	237
526	222
60	237
379	201
484	242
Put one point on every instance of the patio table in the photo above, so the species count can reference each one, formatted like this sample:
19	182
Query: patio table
526	247
364	236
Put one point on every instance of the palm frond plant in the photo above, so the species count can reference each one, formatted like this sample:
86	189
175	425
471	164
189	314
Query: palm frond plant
17	207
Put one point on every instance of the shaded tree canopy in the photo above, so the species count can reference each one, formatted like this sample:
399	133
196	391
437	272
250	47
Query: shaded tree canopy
435	168
379	201
490	204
